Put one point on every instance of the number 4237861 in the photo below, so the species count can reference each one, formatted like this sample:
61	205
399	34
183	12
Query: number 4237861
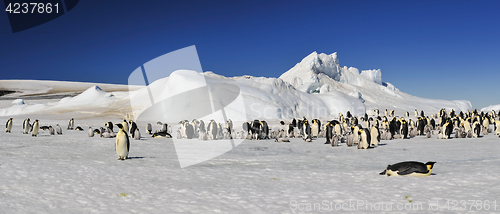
32	8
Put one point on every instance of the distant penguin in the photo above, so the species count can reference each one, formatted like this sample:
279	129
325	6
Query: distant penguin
8	125
51	130
315	128
97	131
189	130
58	129
306	127
416	113
149	128
355	134
212	130
109	125
447	130
132	127
125	126
122	145
349	140
404	130
78	128
476	127
375	136
264	129
335	141
377	112
137	134
469	134
497	127
328	132
26	126
36	128
202	135
106	134
91	132
281	140
161	134
71	124
409	168
365	139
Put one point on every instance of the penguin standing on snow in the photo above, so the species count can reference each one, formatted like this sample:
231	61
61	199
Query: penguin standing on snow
122	145
149	128
497	127
109	125
409	168
71	124
328	132
51	130
58	129
212	130
36	128
91	132
132	128
476	129
8	125
26	126
315	128
375	136
365	140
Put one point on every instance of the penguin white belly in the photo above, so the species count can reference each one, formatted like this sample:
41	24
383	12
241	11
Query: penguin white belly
35	130
121	146
392	173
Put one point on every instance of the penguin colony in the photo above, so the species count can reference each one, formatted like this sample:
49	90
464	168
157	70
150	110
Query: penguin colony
364	132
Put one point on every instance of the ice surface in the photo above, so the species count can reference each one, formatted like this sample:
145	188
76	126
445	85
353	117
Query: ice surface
73	173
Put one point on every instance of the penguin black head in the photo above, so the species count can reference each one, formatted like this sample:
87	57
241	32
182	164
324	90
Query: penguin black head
119	126
430	163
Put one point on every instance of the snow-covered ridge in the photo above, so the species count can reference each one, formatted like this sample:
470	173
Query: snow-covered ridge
317	87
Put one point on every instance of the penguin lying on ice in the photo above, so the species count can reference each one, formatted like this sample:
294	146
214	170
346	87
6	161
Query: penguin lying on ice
409	168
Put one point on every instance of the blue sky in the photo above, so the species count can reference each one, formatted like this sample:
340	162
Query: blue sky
434	49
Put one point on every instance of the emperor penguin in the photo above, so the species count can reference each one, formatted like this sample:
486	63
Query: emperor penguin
8	125
476	130
58	129
212	130
355	133
26	126
137	134
149	128
447	129
497	127
71	124
109	125
377	112
125	126
264	129
409	168
122	145
375	136
132	128
386	113
51	130
229	126
315	127
36	127
404	130
189	130
416	113
91	132
365	138
407	114
328	132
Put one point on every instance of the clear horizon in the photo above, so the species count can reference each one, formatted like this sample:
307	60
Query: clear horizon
440	50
